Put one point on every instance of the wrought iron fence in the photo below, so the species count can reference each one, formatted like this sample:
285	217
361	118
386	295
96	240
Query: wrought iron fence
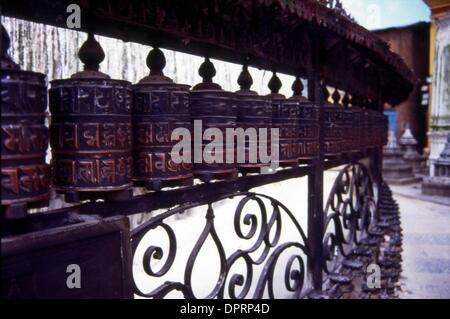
259	229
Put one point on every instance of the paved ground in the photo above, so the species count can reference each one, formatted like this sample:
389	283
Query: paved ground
426	255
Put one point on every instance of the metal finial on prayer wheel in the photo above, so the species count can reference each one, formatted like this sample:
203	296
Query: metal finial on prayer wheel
6	41
253	113
336	97
346	100
6	61
207	72
91	133
156	62
326	93
274	84
245	79
297	87
285	117
308	124
160	106
91	54
25	175
212	107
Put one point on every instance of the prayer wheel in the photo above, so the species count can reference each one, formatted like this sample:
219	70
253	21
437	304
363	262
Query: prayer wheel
385	128
348	130
365	131
308	125
213	110
381	129
160	106
90	131
373	129
285	117
360	123
253	114
357	129
25	174
333	113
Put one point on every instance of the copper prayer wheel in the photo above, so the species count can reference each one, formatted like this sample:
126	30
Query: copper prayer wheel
308	125
381	129
212	107
361	123
25	175
385	129
333	113
373	129
357	129
159	107
253	112
369	134
285	117
365	131
90	131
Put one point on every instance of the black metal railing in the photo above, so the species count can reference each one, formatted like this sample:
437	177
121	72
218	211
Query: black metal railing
350	223
258	229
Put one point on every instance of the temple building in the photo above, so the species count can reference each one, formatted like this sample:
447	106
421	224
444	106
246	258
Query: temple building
440	71
411	42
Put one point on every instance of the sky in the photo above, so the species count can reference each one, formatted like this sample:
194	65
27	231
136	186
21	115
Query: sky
380	14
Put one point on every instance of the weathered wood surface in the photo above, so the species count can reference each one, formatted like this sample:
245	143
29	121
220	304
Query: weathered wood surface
34	265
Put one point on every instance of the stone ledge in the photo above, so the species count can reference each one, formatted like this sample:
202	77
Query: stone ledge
402	180
436	186
415	191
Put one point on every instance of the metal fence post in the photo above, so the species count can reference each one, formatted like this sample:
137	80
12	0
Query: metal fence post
315	178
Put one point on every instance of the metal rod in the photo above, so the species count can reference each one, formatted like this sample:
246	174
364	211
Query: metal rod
315	178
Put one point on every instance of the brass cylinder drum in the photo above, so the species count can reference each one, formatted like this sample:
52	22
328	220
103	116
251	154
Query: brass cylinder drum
159	109
91	134
371	125
333	114
366	138
308	130
253	113
216	109
385	129
25	175
285	117
357	129
381	132
347	130
379	129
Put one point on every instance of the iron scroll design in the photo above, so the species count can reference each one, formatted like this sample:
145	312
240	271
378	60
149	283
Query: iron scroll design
261	229
350	215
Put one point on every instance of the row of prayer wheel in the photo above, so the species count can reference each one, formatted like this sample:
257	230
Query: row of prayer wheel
107	135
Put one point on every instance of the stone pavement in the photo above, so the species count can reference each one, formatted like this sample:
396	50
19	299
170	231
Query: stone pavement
426	244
